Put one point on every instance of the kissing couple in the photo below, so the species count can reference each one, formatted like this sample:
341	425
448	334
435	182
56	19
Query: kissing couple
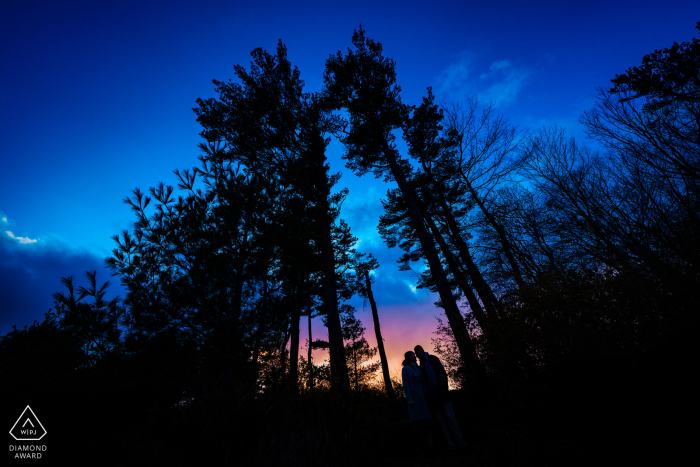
428	397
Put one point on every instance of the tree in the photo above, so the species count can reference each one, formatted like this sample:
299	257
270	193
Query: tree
271	126
665	76
622	225
309	357
363	82
445	197
200	273
363	268
653	112
96	325
358	353
486	158
649	126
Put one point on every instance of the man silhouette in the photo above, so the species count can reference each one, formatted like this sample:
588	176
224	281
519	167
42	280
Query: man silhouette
438	397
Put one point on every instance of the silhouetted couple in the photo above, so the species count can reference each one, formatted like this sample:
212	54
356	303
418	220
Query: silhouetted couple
428	397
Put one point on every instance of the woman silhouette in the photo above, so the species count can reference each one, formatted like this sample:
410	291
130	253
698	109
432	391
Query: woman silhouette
415	389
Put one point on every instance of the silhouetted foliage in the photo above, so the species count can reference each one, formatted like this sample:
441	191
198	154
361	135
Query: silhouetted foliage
268	124
358	353
569	278
363	83
666	76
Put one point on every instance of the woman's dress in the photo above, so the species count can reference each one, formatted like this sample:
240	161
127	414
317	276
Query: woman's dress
414	388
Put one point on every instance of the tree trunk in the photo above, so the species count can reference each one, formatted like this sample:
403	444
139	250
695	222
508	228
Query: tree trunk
380	341
462	282
317	172
491	303
294	351
454	316
253	375
354	364
310	362
507	249
236	307
519	363
339	368
283	354
240	277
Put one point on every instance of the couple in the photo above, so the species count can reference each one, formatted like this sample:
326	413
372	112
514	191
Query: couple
427	394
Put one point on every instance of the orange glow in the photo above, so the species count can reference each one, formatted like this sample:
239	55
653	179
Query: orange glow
402	326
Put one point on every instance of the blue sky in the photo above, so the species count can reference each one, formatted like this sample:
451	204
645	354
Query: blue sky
97	96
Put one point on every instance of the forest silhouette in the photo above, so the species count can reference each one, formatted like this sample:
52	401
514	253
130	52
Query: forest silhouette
568	275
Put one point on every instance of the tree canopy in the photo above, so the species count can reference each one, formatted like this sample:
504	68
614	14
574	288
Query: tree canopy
564	273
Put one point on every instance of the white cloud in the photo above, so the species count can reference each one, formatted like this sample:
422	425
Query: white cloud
6	221
413	288
22	240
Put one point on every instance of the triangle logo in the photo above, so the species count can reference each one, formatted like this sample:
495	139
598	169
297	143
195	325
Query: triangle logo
28	427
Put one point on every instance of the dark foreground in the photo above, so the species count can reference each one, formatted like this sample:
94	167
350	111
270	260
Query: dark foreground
611	416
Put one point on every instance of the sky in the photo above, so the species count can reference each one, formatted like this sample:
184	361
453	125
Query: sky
96	99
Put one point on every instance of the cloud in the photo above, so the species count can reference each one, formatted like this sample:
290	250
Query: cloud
495	67
362	210
454	79
505	81
411	287
31	271
500	84
6	221
22	240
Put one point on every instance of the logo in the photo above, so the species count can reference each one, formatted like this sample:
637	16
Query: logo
28	427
